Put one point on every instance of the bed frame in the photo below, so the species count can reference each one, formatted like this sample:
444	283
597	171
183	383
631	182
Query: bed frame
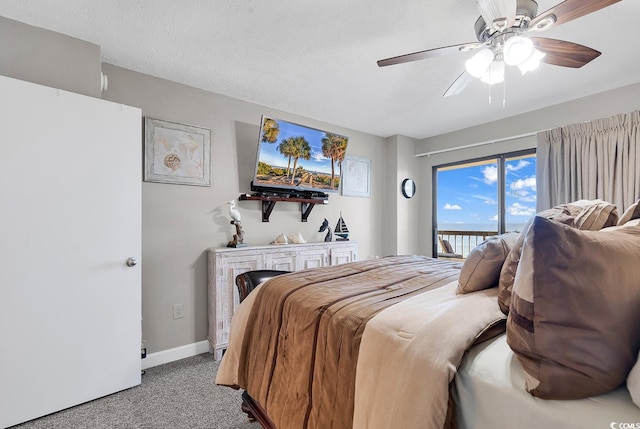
255	412
246	282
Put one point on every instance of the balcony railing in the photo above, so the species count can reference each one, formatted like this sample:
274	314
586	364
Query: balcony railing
462	242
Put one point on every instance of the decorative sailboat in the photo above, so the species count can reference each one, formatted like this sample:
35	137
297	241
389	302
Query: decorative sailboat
341	230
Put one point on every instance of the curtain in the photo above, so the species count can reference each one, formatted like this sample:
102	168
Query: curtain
591	160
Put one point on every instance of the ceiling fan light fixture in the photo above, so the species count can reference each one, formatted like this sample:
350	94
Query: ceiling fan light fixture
500	29
495	74
533	62
545	23
500	12
517	50
500	24
480	63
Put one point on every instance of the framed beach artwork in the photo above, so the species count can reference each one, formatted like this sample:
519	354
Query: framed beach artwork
356	177
176	153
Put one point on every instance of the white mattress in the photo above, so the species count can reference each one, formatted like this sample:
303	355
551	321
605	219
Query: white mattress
488	393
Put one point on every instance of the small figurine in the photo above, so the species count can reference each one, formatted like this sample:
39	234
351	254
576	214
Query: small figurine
341	230
234	212
325	225
238	237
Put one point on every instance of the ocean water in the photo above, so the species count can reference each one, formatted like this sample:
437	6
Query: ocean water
464	244
478	226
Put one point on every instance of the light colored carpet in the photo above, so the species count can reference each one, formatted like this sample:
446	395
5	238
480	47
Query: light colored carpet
177	395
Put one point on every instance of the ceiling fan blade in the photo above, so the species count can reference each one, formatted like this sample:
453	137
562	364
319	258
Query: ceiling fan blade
429	53
563	53
567	11
459	84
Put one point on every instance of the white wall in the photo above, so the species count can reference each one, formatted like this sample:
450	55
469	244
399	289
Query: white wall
180	222
402	215
48	58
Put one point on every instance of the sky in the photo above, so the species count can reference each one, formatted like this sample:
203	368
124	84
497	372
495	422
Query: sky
270	154
469	195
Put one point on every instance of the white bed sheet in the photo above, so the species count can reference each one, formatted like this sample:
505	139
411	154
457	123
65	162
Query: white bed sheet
489	393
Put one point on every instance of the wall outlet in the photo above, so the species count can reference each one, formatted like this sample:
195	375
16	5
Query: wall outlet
178	311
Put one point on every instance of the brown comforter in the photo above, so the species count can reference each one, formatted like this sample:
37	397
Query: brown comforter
296	345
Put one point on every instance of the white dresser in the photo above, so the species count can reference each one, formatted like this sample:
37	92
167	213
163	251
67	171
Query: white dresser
226	263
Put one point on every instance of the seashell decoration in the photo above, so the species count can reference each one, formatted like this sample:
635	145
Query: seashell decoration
297	238
172	161
281	239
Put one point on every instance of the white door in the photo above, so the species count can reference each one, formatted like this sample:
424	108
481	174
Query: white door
70	217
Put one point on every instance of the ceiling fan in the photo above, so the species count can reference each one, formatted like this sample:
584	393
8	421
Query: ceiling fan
500	32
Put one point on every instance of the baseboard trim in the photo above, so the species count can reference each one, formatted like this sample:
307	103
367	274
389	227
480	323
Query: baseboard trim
177	353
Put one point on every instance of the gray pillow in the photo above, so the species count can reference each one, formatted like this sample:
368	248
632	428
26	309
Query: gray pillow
481	268
633	212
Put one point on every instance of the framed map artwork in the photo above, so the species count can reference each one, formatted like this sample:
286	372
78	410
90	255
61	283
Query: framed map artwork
176	153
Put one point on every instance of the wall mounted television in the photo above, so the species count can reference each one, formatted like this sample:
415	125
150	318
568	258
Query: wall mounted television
297	160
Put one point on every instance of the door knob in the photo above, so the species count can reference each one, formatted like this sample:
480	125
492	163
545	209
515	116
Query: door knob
131	262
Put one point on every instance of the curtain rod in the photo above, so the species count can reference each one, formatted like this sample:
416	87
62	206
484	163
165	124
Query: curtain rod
451	149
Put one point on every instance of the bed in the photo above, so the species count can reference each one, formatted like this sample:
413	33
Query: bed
488	393
416	342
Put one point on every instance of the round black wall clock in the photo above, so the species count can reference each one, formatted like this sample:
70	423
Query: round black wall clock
408	188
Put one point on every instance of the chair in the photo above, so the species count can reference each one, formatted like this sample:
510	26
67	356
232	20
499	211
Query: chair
247	281
448	251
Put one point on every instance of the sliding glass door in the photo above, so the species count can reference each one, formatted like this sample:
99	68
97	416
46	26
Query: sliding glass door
479	198
519	191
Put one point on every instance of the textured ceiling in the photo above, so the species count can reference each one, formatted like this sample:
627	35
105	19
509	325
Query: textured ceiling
318	58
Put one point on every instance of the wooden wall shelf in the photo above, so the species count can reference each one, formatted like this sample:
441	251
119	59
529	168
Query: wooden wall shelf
269	202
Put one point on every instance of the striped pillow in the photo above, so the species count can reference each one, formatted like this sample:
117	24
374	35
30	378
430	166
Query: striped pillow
590	215
574	312
596	216
508	270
